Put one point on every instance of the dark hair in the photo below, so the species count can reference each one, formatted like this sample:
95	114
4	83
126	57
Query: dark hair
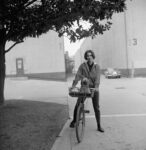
89	51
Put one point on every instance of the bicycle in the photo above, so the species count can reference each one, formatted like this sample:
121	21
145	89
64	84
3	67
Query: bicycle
80	116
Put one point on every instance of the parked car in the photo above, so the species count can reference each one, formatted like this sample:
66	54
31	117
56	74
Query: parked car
111	73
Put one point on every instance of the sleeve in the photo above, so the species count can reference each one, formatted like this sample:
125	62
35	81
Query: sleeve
97	80
78	76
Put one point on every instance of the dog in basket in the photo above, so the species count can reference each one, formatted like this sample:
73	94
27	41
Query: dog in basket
85	86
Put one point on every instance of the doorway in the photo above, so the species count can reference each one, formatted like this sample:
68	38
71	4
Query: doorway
19	67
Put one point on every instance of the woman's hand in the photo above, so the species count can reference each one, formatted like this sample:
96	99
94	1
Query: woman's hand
75	89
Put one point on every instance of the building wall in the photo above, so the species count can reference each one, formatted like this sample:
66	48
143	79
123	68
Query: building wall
135	23
43	57
123	46
110	48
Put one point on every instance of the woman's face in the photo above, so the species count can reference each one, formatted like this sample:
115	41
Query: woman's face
89	57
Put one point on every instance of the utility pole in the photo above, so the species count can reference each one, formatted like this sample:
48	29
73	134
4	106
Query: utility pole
126	44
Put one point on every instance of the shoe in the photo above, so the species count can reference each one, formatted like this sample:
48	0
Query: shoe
100	129
72	124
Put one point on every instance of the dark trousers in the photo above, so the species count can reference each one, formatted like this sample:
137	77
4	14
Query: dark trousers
95	102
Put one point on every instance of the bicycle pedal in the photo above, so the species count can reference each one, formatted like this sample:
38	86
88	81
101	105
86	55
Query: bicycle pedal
87	111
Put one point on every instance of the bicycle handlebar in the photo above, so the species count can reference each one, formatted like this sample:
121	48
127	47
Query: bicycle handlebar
75	92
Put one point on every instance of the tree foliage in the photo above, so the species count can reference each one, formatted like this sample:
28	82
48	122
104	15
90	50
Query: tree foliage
31	18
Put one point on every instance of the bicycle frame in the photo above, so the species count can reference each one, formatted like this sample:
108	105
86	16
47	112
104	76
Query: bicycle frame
82	99
80	116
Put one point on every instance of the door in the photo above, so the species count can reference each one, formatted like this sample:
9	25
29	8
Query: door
19	67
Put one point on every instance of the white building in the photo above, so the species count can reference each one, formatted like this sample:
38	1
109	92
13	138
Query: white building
124	45
41	57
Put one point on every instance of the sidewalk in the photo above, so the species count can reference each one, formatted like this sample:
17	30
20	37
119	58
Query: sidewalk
125	133
123	119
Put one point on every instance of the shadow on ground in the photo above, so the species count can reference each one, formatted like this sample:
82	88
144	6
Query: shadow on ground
30	125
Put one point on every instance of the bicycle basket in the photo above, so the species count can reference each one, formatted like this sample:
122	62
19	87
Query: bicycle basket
79	94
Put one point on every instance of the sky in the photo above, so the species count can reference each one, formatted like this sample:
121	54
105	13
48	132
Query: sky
71	47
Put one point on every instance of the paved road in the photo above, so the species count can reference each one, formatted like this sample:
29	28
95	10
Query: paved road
37	90
123	109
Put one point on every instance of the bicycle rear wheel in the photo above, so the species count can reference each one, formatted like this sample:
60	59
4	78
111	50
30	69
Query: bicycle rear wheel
80	122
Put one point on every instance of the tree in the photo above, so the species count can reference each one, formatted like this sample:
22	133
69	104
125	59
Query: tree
31	18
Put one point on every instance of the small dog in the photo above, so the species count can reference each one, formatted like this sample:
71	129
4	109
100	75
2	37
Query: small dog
85	86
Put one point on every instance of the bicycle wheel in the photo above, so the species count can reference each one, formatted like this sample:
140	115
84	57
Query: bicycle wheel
80	122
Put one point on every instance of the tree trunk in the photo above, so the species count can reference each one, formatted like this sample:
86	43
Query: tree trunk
2	65
2	80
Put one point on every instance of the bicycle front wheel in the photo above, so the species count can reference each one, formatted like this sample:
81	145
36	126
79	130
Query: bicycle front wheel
80	122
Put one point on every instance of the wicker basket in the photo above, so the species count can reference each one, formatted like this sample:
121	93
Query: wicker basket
79	94
76	92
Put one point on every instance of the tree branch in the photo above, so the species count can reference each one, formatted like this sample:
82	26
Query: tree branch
13	46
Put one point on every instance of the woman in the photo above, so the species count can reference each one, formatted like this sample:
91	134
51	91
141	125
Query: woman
91	71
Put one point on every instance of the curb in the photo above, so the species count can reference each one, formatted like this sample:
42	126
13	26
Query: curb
62	141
